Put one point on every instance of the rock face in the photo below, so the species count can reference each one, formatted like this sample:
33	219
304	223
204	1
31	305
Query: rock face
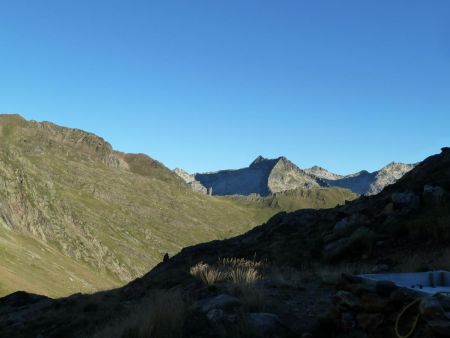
263	177
364	182
190	181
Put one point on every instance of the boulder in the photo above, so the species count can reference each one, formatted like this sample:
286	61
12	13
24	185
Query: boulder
405	199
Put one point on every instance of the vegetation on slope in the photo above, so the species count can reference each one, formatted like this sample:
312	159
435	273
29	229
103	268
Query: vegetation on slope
291	200
86	217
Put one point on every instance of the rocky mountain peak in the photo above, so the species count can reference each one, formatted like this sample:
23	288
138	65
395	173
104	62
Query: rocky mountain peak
260	159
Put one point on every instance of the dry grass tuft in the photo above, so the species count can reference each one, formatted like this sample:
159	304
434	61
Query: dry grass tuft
232	270
207	274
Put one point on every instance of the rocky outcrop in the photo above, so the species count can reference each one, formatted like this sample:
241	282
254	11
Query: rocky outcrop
191	181
263	177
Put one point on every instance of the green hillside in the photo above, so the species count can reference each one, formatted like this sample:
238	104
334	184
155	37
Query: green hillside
291	200
77	216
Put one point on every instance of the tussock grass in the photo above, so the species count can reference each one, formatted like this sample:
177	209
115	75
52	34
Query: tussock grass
207	274
229	270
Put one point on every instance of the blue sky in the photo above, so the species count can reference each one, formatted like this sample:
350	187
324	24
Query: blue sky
207	85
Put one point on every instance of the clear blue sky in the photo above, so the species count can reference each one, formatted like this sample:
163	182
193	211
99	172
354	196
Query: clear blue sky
205	85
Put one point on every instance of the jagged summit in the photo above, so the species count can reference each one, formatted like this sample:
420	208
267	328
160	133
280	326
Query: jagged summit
258	160
263	176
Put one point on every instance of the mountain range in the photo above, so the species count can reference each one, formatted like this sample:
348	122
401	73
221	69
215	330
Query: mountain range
268	176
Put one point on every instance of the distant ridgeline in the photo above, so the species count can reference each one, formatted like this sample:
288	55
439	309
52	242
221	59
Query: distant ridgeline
268	176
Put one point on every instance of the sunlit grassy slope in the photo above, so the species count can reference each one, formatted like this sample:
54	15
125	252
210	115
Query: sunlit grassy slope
76	216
